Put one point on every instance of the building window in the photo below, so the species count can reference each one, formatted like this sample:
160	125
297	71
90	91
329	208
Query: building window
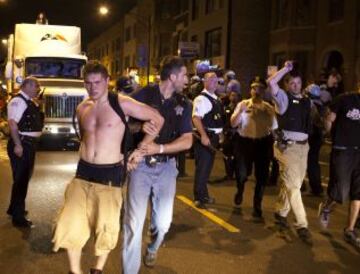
221	4
127	34
210	6
213	43
278	59
281	14
195	9
127	62
304	13
118	43
194	38
336	10
134	30
302	59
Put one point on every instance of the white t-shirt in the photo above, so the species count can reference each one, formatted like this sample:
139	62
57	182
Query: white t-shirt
16	109
202	106
256	120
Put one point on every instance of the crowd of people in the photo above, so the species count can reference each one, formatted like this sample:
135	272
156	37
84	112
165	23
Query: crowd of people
277	131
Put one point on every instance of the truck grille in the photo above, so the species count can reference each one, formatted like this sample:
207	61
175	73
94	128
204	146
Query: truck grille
61	106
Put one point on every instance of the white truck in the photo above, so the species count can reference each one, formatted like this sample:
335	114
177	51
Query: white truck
53	55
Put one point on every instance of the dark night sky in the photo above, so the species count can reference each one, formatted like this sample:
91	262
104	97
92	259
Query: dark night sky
81	13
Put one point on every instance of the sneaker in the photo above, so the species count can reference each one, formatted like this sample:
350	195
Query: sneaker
150	259
238	199
324	215
200	204
209	200
304	235
352	238
281	221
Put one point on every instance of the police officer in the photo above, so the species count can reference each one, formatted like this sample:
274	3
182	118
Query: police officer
294	117
155	176
208	121
254	119
26	123
229	134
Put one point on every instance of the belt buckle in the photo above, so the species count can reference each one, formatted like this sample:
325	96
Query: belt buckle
151	161
290	142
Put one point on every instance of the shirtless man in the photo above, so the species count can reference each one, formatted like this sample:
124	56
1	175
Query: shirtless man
93	198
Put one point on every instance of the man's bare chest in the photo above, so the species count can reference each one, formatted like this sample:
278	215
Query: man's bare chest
100	118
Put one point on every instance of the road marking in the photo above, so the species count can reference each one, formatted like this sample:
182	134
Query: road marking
209	215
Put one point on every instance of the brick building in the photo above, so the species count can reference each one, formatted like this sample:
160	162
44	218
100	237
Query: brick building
244	35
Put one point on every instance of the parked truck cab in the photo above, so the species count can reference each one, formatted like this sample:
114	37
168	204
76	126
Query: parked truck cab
53	55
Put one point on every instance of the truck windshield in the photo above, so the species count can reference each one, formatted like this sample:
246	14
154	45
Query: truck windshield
45	67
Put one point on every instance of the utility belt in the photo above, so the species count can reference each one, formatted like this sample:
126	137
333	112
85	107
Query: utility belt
30	139
104	174
291	142
152	160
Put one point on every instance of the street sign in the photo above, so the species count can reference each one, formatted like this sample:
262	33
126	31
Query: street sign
189	50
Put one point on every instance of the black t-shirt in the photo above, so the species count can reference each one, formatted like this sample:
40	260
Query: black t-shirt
346	127
176	111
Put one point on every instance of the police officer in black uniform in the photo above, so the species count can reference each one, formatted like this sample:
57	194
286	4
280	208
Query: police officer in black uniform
26	123
208	121
154	178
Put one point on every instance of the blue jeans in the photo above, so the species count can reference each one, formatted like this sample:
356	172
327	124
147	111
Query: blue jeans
159	184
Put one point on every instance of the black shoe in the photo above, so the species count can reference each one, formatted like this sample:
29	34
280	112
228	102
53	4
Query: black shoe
281	221
199	204
304	235
238	198
257	213
352	238
23	222
95	271
150	259
209	200
11	213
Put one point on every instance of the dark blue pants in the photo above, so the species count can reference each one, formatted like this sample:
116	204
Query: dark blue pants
249	152
313	166
204	160
22	169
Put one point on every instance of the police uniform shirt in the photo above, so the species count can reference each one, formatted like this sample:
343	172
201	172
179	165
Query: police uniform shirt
281	102
257	120
185	125
16	109
202	106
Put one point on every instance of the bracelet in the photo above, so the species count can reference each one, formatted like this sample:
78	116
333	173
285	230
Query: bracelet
161	149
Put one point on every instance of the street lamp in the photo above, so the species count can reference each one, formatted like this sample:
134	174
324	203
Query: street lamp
103	10
4	41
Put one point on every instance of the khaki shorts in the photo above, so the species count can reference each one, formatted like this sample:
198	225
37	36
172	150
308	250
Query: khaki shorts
89	206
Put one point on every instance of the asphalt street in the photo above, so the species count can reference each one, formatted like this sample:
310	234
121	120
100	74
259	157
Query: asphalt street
198	241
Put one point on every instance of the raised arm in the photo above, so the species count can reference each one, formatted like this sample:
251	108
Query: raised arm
280	98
